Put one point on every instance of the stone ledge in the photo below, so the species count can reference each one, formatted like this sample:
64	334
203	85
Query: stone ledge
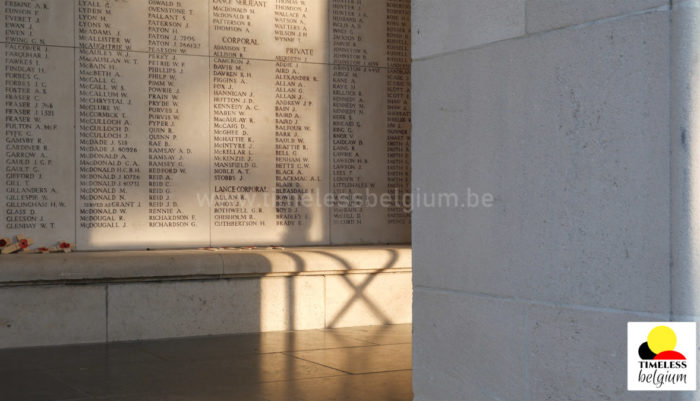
175	265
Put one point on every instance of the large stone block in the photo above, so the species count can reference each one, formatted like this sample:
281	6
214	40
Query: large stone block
514	350
317	259
448	25
165	294
368	299
185	309
35	316
543	15
568	132
581	354
291	303
685	157
469	347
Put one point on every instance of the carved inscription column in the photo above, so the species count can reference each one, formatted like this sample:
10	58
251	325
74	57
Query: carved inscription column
37	192
300	120
369	149
269	121
178	131
239	119
398	123
142	123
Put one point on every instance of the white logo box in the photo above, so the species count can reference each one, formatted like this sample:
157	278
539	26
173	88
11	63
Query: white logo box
656	375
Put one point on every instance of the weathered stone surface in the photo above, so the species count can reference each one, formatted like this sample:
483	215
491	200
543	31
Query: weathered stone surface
685	280
569	131
469	347
35	316
543	15
450	25
139	265
572	144
591	360
185	309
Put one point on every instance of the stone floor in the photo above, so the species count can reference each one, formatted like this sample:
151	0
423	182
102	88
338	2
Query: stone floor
361	363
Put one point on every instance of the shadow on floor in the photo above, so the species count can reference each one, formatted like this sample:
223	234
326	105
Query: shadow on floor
359	363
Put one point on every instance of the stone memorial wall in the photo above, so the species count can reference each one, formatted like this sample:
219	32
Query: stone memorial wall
133	124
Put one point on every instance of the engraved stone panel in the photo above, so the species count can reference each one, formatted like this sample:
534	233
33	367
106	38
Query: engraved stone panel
370	121
270	29
143	152
358	32
398	142
398	34
269	152
37	192
143	139
368	189
165	124
372	33
178	27
156	26
38	22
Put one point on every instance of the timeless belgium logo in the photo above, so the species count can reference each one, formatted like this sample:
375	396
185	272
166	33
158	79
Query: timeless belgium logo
661	356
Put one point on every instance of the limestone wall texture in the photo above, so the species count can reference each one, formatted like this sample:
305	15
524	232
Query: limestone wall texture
578	116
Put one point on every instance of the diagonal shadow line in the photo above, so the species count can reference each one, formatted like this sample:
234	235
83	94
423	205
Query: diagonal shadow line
291	297
360	296
359	289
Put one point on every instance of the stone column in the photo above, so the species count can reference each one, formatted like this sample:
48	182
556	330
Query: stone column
685	151
561	111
